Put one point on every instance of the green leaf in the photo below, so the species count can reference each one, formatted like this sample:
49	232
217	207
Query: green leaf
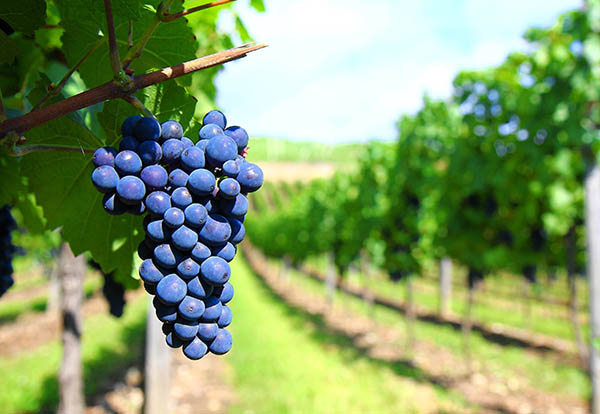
24	15
241	29
258	5
11	181
168	100
32	214
8	49
112	116
62	186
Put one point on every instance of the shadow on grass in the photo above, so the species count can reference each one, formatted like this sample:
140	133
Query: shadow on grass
327	336
102	371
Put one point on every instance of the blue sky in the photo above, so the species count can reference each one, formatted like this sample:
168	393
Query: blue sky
346	70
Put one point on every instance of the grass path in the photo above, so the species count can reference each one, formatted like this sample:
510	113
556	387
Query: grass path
285	363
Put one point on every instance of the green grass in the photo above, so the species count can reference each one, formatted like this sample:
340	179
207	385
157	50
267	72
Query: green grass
10	310
285	361
271	149
506	360
29	380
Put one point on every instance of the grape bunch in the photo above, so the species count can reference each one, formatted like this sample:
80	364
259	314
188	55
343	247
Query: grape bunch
113	291
7	249
194	197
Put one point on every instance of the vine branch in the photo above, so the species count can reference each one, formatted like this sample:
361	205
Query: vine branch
137	104
115	60
166	17
112	90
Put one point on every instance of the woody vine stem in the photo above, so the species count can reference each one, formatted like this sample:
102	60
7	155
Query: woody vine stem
122	86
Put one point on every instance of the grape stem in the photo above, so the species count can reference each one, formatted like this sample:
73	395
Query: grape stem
137	104
55	90
137	49
166	17
115	60
113	90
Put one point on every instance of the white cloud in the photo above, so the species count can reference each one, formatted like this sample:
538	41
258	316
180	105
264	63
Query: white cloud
339	70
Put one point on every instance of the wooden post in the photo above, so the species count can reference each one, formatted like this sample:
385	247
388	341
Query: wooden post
53	304
592	224
445	285
71	271
157	367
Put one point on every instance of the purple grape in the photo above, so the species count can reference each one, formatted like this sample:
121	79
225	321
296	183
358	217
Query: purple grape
128	143
215	117
104	156
171	151
174	217
238	231
150	152
215	271
212	310
171	130
112	205
158	202
171	289
220	149
188	269
225	318
216	231
201	182
187	143
231	168
236	208
147	129
224	293
178	178
222	343
154	176
181	198
192	158
185	329
105	179
202	144
191	308
184	238
200	252
250	177
239	135
207	331
229	188
165	256
149	272
173	341
198	289
165	313
131	189
209	131
226	252
128	163
128	126
195	349
158	232
195	215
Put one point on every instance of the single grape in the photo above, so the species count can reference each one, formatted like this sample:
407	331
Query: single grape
185	329
104	156
128	125
209	131
184	238
226	252
149	272
215	271
198	289
220	149
207	331
201	182
128	163
181	198
235	208
174	217
158	202
188	269
224	293
105	179
212	309
195	215
222	343
229	188
231	168
191	308
131	189
171	130
200	252
158	232
178	178
112	205
215	117
154	176
150	152
239	135
171	151
165	256
147	129
192	158
171	289
238	231
250	177
128	143
225	318
195	349
216	231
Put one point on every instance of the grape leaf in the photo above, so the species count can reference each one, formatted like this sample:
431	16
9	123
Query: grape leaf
62	186
11	182
112	116
258	5
24	15
8	49
168	100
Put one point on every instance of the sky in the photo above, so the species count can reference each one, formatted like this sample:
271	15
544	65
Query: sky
346	70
